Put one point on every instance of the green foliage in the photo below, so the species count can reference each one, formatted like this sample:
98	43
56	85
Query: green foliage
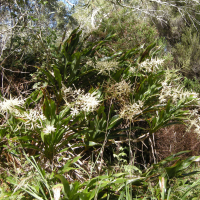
129	29
29	30
192	84
186	53
90	108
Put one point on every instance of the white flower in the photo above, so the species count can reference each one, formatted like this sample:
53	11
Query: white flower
120	89
52	73
88	102
194	112
151	65
74	111
85	102
175	93
78	101
56	190
194	121
105	67
9	104
49	129
33	117
132	70
129	111
66	90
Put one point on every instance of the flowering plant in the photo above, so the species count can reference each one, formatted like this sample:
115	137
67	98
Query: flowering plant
89	110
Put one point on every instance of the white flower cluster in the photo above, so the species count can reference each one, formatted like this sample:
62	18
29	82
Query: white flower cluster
85	102
194	121
78	101
9	105
33	117
132	70
175	93
120	89
88	102
49	129
151	65
105	67
129	111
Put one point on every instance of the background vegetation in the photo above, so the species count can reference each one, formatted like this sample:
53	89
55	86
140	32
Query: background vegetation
99	100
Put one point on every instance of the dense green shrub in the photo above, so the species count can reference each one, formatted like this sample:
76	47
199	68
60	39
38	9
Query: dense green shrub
130	31
186	54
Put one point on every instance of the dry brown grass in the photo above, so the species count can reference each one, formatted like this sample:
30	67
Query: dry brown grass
174	139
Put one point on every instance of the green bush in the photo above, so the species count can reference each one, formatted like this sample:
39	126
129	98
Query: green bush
186	54
130	31
65	134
